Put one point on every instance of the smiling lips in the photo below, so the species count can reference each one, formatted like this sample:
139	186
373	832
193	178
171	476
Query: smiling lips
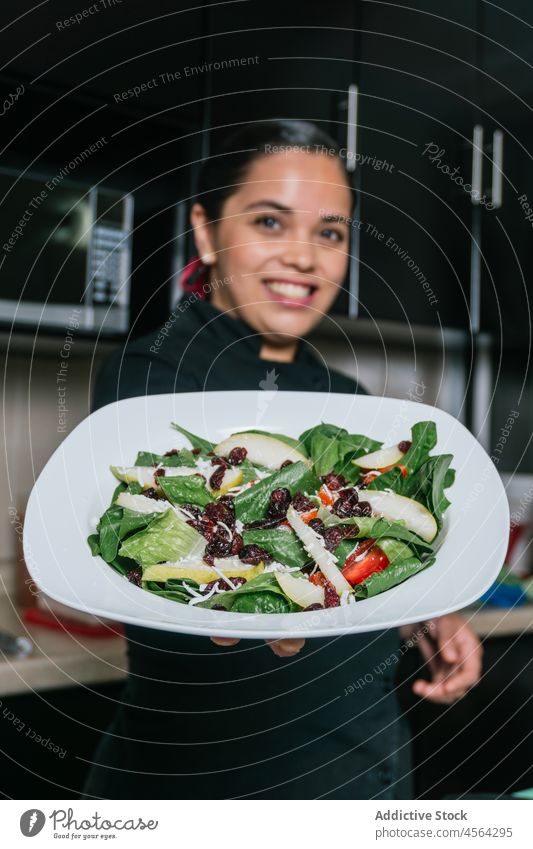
290	293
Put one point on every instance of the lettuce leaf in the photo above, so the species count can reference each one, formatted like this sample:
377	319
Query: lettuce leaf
166	538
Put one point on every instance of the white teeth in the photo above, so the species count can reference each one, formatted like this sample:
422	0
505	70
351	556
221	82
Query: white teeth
290	290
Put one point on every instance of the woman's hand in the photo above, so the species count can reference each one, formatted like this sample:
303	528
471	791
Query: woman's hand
453	654
281	648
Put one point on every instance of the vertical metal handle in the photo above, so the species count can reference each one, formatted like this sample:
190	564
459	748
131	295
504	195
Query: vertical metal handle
477	164
351	130
497	169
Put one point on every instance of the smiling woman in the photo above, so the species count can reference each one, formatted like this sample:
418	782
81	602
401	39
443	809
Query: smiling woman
245	719
273	221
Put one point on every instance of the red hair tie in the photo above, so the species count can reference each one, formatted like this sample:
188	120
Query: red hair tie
194	277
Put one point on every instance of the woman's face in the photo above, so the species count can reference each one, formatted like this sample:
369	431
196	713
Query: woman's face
281	245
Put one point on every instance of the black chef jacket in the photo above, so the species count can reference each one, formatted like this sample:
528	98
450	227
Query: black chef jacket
196	721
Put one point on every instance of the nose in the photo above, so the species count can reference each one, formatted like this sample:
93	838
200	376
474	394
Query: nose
299	253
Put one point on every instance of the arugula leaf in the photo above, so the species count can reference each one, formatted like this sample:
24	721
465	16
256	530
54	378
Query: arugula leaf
324	453
393	575
182	458
167	537
265	582
108	530
428	483
93	541
324	429
265	602
185	489
393	479
196	441
252	504
423	440
281	543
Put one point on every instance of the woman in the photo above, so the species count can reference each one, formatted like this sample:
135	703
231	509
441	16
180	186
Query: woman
245	719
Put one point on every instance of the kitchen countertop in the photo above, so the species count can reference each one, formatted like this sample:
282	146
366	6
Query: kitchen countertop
58	659
65	660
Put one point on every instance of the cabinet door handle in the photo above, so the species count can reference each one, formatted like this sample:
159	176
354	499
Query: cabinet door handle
351	130
497	169
477	164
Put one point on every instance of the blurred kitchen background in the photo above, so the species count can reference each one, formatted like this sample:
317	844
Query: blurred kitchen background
105	117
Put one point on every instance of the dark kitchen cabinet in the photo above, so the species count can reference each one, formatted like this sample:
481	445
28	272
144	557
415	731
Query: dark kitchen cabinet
284	60
415	124
506	115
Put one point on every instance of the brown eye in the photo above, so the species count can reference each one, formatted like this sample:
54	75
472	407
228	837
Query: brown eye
333	235
269	222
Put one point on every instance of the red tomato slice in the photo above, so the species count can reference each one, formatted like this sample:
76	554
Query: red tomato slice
375	560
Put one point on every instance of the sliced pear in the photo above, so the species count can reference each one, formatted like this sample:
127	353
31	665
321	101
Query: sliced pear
197	570
312	542
265	450
397	508
299	590
379	459
144	475
232	477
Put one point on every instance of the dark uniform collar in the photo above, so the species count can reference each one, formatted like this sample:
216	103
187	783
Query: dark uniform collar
226	329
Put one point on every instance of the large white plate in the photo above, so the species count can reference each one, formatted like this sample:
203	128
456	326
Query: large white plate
76	486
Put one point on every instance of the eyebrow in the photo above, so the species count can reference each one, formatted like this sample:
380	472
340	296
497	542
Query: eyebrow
272	203
329	217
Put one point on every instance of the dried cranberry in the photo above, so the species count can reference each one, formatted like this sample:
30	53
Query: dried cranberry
404	446
279	503
302	503
332	538
224	585
219	461
237	544
331	598
315	606
346	503
220	511
317	525
217	607
171	453
134	576
237	455
286	463
215	481
207	527
363	509
159	473
334	481
196	450
152	493
228	501
253	554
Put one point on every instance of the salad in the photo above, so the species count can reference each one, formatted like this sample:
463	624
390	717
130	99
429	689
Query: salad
265	523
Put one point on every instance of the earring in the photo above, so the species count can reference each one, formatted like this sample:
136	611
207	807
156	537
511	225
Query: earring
208	259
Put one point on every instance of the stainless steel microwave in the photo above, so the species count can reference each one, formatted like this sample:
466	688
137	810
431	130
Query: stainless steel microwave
64	246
